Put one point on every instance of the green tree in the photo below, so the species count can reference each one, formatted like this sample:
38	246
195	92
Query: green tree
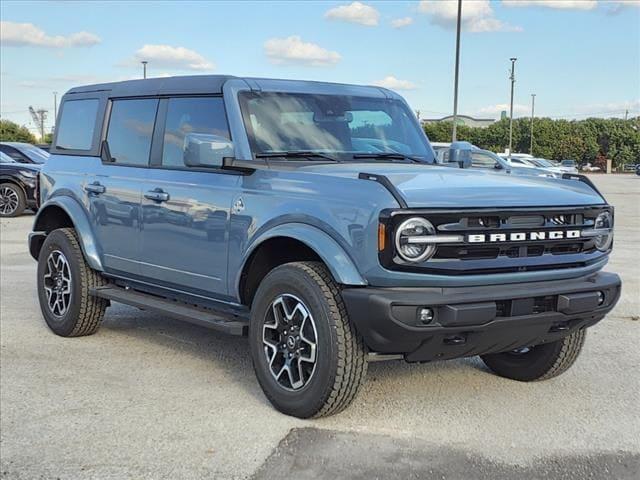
12	132
593	140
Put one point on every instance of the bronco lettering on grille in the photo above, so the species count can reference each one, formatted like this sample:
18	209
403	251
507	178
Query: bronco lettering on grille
523	236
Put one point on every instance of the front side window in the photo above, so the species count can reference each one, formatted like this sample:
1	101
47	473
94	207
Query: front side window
339	125
77	124
203	116
131	129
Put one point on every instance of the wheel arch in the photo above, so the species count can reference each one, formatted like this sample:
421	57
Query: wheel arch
293	242
61	212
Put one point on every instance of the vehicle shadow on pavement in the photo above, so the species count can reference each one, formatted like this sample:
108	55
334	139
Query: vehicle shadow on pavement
231	354
226	352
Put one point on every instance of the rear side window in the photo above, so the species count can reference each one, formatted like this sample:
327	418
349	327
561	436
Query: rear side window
77	124
131	129
204	115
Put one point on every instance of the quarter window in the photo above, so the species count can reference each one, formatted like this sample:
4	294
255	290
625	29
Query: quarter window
77	124
191	115
131	129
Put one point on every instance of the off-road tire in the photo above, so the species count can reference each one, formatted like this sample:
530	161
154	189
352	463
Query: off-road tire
542	362
85	312
341	363
22	202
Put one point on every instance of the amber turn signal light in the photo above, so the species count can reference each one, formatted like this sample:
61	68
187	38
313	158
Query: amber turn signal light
382	236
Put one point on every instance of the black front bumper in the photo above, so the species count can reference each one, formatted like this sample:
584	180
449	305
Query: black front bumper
477	320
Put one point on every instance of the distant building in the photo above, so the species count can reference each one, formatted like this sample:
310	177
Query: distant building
462	120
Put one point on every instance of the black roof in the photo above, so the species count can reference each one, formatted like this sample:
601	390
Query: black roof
159	86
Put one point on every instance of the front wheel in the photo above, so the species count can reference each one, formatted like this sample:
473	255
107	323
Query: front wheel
539	362
12	201
307	355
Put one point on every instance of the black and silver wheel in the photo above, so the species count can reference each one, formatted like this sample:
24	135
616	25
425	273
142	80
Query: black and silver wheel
12	201
65	281
308	357
57	283
289	337
539	362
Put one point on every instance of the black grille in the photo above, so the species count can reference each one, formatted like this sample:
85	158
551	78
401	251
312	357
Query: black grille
466	257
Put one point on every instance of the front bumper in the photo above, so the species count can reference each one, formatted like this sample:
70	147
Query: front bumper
478	320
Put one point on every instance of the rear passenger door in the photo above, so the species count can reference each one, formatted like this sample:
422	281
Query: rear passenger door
185	210
114	191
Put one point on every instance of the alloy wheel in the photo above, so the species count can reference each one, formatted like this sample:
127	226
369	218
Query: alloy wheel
8	200
290	338
57	283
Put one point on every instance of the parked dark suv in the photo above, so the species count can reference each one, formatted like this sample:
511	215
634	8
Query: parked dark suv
17	186
312	218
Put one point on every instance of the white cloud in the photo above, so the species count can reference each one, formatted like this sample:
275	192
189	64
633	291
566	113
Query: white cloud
495	110
173	58
477	16
559	4
28	35
356	12
394	83
401	22
293	50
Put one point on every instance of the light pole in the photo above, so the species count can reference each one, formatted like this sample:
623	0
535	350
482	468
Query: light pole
455	88
55	110
513	81
144	68
533	104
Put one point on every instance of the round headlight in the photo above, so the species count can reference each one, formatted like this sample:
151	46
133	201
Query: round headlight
407	241
603	221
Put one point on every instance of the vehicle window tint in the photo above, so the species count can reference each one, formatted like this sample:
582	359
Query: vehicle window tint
131	129
14	154
482	160
77	124
203	116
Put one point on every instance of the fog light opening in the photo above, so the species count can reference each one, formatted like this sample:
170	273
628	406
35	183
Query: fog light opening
426	315
601	298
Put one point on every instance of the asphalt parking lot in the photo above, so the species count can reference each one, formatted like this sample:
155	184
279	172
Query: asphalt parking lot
149	397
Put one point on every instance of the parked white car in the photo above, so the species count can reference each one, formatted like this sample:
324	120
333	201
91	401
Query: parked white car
569	166
590	168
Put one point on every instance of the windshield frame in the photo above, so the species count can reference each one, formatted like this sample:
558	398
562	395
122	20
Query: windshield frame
428	156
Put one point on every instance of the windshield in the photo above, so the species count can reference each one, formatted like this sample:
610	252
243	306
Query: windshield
568	163
336	125
34	153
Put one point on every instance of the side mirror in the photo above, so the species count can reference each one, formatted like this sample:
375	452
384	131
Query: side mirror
206	151
460	152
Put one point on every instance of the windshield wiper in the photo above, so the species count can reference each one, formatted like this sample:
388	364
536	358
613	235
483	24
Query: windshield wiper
296	154
388	155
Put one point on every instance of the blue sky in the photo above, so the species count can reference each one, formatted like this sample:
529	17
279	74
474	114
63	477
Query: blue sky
581	58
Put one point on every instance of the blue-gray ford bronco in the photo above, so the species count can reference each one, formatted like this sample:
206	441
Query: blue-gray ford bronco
312	218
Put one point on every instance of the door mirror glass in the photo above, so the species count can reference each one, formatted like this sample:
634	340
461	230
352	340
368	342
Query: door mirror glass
204	150
460	152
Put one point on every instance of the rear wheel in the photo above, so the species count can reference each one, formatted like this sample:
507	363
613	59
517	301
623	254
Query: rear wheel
12	200
539	362
64	284
308	357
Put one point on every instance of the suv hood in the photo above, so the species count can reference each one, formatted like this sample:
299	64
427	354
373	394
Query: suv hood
433	186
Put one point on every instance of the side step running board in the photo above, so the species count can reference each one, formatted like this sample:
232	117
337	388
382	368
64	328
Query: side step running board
223	322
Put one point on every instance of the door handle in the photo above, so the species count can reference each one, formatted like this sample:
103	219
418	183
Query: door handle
157	195
96	188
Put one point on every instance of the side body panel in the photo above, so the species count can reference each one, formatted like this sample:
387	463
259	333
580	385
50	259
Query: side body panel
115	214
184	239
